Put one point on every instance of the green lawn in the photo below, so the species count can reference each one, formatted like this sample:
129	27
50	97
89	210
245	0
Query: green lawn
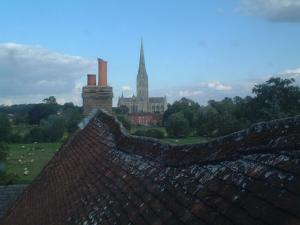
178	141
135	128
182	141
29	157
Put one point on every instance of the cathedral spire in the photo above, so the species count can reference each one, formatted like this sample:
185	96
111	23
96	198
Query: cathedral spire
142	66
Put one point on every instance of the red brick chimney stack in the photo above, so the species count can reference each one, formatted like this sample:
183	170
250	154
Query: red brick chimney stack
91	80
102	73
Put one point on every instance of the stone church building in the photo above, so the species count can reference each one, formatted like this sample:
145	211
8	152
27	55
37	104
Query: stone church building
142	103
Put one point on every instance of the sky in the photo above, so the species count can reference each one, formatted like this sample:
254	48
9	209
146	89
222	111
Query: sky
196	49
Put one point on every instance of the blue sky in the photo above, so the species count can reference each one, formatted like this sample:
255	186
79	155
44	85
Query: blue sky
196	49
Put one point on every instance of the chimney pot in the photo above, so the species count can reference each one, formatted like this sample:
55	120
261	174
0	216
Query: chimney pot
102	73
91	80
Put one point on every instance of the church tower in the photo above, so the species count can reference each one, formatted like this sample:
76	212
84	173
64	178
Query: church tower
142	84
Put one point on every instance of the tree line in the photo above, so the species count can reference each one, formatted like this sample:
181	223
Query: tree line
273	99
44	122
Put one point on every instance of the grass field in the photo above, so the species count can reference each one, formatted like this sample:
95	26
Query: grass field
135	128
27	160
182	141
178	141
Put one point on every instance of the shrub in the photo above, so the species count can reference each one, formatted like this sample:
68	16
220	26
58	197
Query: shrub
50	130
177	125
140	133
155	133
5	128
125	122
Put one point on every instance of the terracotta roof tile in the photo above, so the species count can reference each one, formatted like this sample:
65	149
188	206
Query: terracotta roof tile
105	176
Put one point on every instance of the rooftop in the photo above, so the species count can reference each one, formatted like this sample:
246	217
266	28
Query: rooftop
102	175
8	195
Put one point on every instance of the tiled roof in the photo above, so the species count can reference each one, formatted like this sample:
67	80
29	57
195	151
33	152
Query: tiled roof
8	195
104	176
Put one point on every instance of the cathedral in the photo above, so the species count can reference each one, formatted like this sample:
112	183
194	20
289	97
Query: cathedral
142	103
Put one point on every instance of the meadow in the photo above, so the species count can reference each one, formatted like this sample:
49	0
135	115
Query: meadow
25	161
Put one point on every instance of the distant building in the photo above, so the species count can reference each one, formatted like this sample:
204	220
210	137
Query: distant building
142	103
145	118
97	96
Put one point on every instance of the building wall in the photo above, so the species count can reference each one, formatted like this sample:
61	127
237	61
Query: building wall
159	107
96	97
145	119
133	105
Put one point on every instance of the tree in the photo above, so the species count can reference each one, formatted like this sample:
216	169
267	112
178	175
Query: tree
121	109
177	125
72	115
276	98
187	107
54	128
50	130
207	121
154	133
41	111
3	154
50	100
5	128
125	122
3	151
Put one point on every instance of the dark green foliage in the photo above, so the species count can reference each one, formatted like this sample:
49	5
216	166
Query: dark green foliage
50	100
72	116
125	122
41	111
36	134
5	127
206	121
121	109
50	130
276	98
37	122
54	127
15	138
3	155
140	132
186	106
3	151
154	133
16	109
177	125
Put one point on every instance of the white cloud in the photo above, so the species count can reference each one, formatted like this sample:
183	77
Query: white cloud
188	93
292	73
273	10
204	91
31	73
217	85
126	88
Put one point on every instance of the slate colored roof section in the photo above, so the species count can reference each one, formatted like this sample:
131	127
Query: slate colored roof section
8	195
105	176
